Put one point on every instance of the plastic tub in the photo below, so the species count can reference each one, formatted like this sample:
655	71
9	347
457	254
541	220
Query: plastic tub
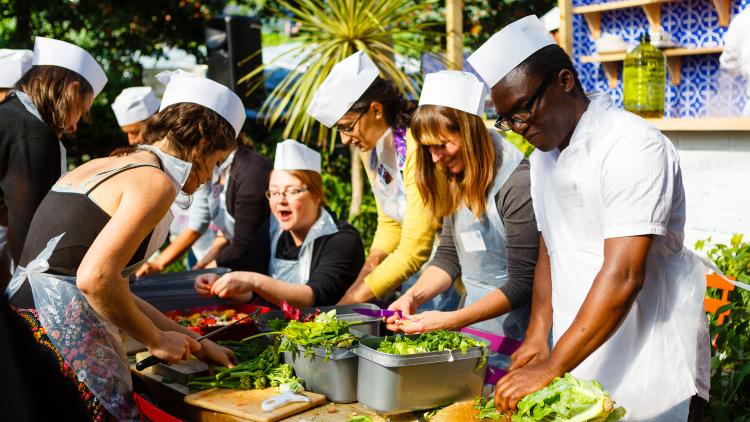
335	378
392	384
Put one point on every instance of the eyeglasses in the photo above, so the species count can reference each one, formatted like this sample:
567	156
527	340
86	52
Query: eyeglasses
288	193
523	115
350	128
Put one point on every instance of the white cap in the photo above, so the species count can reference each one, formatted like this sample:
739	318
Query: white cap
348	80
508	48
13	65
551	19
135	105
183	87
292	155
451	88
51	52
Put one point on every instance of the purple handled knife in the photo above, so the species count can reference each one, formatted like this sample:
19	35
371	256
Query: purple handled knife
377	313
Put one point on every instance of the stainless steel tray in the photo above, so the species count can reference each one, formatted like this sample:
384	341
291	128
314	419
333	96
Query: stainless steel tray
336	378
392	384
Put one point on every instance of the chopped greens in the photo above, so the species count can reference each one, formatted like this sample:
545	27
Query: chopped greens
435	341
325	331
257	373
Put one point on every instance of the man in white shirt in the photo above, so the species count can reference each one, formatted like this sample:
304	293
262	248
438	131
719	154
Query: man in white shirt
736	56
623	297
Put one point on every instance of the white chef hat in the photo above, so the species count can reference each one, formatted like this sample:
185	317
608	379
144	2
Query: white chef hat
292	155
348	80
508	48
52	52
551	19
183	87
451	88
134	105
13	65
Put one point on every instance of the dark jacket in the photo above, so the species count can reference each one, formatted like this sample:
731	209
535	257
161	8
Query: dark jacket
246	202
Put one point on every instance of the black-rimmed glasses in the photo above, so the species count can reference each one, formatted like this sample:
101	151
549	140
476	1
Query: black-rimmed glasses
523	115
350	128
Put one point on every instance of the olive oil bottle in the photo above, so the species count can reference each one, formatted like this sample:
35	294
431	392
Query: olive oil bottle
644	80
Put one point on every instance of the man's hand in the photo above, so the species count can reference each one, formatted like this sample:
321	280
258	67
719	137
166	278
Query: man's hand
531	351
519	383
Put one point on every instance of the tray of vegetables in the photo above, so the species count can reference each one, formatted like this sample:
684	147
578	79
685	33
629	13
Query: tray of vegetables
206	319
401	374
319	347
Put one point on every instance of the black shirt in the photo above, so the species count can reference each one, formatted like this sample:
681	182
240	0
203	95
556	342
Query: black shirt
246	202
336	260
29	166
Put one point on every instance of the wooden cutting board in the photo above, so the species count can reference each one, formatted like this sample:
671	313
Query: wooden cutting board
246	403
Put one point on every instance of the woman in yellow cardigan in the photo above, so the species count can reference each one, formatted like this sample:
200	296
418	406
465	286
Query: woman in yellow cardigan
372	114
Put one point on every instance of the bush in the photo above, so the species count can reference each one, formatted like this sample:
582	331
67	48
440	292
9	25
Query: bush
730	354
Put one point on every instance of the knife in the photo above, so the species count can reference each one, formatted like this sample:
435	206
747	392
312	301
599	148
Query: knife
377	313
153	360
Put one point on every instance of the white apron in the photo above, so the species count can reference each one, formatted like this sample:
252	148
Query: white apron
480	245
652	365
298	271
390	192
88	343
217	198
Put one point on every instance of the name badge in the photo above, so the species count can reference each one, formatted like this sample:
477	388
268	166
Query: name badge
472	241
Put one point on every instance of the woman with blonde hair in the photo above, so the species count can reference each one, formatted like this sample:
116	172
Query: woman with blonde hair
478	184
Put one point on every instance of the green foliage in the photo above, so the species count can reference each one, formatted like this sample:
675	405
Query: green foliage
730	354
522	144
331	31
435	341
338	191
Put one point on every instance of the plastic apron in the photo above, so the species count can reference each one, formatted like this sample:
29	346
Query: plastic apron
87	342
217	198
652	361
480	245
31	108
389	189
298	271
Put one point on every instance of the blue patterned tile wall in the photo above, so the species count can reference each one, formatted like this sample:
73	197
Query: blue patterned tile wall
703	90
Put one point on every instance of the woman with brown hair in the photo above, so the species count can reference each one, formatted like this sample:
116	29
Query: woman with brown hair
45	104
478	184
98	224
372	114
302	255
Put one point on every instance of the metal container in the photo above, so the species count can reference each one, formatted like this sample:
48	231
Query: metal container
371	326
392	384
335	378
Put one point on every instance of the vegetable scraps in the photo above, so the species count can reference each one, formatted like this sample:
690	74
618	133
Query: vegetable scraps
324	330
257	373
210	318
567	398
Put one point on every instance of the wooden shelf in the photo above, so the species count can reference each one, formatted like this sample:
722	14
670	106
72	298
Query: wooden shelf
652	9
611	62
702	124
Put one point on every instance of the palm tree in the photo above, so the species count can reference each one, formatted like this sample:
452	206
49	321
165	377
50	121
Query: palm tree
331	31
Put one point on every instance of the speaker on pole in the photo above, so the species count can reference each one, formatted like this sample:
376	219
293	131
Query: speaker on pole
234	50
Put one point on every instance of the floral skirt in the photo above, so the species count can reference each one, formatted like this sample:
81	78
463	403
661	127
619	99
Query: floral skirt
96	409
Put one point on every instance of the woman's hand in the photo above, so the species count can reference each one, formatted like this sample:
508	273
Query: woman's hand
236	286
204	282
212	353
173	347
407	305
531	351
428	321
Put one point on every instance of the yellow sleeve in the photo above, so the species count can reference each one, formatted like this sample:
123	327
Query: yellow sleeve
388	231
414	245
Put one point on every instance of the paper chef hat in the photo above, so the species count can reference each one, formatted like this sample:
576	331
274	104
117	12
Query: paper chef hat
183	87
451	88
48	51
134	105
13	65
551	19
348	80
508	48
292	155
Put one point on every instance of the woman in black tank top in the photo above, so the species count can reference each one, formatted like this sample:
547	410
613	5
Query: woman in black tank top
97	225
